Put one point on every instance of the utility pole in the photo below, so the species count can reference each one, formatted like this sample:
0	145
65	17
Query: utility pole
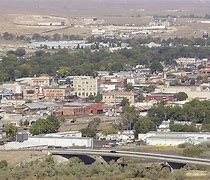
115	107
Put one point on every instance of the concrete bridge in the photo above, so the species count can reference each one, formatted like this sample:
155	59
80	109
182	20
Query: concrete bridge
89	156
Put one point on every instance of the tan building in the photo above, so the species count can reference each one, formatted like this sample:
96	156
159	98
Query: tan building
56	93
117	97
30	94
85	86
43	80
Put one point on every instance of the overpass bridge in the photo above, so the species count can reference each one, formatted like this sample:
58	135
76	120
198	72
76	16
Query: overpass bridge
174	161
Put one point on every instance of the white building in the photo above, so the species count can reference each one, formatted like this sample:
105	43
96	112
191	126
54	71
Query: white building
85	86
63	140
174	138
59	45
107	87
121	136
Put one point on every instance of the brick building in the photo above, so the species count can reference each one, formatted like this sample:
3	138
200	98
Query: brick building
167	97
80	109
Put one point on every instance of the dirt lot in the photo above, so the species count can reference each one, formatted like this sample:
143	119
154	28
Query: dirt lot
16	157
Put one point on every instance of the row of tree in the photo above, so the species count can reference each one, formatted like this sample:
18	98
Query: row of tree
38	37
85	62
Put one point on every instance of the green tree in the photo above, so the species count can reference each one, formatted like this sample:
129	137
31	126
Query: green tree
129	87
129	116
181	96
89	132
125	102
11	131
56	37
98	98
43	126
183	128
26	123
156	67
91	129
20	52
157	114
3	164
108	130
144	125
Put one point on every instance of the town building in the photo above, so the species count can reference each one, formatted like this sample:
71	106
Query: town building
61	140
174	138
85	86
12	118
160	97
56	93
43	80
80	109
121	136
59	45
119	82
117	97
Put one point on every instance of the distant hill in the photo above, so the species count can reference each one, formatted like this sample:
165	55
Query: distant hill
103	7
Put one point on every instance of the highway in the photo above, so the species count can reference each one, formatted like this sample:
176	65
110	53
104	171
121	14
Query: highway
128	154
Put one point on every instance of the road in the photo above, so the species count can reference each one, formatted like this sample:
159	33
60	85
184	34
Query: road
129	154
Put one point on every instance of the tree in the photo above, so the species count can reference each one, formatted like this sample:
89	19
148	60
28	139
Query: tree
183	128
125	102
11	131
20	52
140	98
88	132
43	126
3	164
56	37
156	67
98	98
91	129
8	36
157	114
129	87
129	116
106	130
144	125
39	53
181	96
26	123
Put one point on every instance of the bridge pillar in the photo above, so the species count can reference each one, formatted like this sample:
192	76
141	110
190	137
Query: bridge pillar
108	159
174	165
85	158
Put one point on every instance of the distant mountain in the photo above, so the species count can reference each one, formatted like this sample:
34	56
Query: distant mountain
105	7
